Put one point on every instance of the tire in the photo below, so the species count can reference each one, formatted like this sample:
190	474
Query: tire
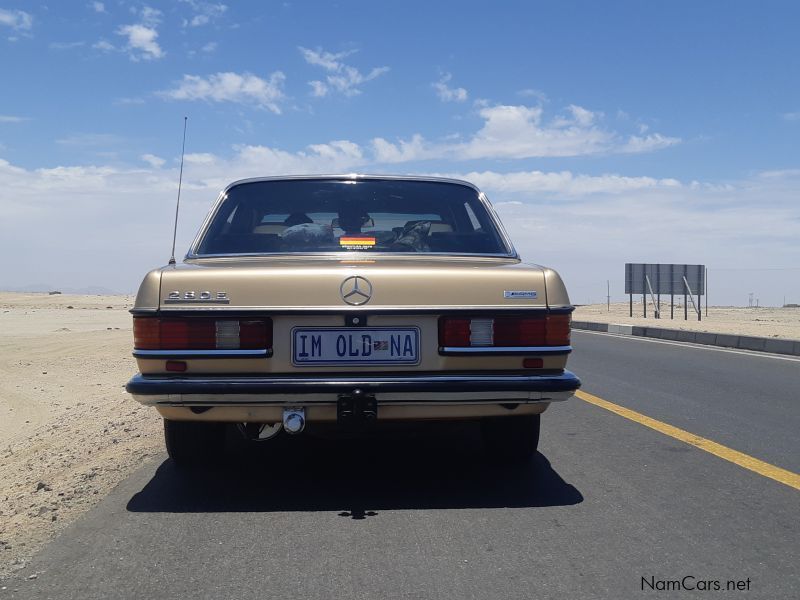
194	442
511	439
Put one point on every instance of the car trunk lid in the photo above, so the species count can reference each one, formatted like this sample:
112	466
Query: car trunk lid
332	284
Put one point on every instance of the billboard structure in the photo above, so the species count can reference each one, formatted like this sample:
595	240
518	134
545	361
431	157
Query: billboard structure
655	279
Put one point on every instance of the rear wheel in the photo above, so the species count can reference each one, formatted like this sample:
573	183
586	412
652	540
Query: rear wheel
193	442
513	439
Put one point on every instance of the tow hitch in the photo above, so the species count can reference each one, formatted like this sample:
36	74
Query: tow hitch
294	420
356	410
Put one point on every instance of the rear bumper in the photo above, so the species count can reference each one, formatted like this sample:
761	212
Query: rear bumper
282	390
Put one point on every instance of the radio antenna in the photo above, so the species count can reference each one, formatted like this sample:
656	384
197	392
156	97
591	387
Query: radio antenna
178	205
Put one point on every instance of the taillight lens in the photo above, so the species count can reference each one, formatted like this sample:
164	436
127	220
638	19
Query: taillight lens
201	333
509	331
454	332
545	330
558	329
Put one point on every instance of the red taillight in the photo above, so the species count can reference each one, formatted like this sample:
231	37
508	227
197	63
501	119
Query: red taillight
511	332
255	335
187	334
454	332
146	334
558	328
201	333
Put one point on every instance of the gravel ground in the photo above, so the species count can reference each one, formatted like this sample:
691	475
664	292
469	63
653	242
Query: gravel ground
781	323
68	431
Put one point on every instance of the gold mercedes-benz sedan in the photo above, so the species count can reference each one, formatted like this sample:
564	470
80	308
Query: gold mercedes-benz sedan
350	300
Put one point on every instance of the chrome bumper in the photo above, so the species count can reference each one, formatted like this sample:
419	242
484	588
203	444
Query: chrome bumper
279	390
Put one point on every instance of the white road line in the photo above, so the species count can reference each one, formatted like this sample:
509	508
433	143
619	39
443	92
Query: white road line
640	338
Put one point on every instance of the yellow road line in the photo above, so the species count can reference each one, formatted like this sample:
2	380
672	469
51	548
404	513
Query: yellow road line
729	454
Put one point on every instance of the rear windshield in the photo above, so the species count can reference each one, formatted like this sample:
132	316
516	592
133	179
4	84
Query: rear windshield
298	216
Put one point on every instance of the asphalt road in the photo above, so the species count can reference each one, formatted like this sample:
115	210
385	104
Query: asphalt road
606	503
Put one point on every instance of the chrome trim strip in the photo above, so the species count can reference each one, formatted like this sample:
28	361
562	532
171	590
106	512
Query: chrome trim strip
506	350
202	353
354	256
502	233
493	399
375	309
195	301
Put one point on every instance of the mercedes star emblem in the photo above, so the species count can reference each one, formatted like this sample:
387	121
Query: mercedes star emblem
356	290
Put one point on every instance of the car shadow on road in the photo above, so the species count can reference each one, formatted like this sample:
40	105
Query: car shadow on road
437	466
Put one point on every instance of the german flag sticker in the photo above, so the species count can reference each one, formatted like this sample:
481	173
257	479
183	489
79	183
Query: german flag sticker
356	243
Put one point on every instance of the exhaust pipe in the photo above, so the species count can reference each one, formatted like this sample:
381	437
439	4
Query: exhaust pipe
294	420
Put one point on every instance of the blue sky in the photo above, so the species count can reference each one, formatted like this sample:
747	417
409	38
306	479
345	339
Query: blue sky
603	132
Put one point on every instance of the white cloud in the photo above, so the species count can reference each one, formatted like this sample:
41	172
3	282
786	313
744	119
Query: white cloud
13	119
87	140
104	45
129	101
204	12
648	143
415	149
326	60
580	115
151	16
564	183
791	116
142	38
98	7
200	158
518	131
66	45
142	42
318	89
533	93
209	47
244	88
446	93
154	161
341	78
18	20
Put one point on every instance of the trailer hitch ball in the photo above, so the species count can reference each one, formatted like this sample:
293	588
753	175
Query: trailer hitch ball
294	420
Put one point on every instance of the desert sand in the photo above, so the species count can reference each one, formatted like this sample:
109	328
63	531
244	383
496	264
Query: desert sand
783	323
69	432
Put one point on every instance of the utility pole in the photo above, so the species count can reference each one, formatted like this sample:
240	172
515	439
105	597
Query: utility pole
608	294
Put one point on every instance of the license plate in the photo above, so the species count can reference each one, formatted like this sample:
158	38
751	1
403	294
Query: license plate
355	345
